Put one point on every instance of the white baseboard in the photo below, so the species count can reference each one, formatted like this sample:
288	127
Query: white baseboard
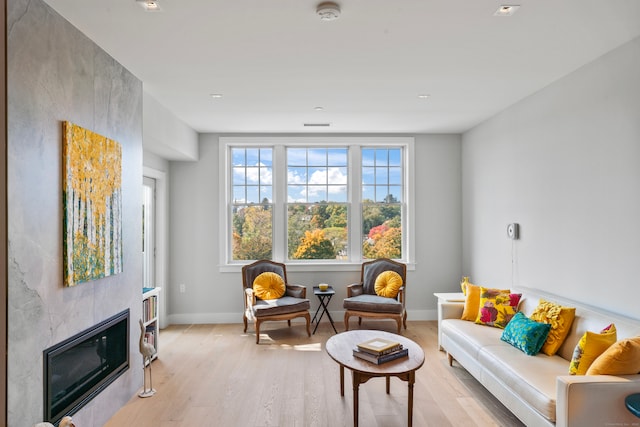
338	316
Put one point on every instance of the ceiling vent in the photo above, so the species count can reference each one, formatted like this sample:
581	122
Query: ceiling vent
328	11
319	125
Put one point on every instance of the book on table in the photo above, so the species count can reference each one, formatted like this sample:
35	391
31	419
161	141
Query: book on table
379	346
381	358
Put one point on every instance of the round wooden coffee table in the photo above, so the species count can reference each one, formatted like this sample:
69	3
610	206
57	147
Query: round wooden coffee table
340	348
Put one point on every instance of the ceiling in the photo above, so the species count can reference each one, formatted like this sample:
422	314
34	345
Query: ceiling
275	61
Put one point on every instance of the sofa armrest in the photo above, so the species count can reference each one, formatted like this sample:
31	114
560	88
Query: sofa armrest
297	291
595	400
451	310
355	289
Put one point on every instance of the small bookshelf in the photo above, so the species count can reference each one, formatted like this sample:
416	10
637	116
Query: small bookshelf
151	317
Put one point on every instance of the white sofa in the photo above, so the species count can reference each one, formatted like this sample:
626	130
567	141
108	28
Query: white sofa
538	389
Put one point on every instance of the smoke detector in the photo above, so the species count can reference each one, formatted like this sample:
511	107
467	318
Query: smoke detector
328	11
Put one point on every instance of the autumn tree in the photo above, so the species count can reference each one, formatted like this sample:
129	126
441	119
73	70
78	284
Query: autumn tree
314	245
254	239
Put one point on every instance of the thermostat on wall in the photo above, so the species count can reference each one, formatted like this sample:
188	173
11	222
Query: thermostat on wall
513	231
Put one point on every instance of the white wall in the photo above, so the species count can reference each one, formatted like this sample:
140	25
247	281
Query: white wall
165	134
564	163
212	296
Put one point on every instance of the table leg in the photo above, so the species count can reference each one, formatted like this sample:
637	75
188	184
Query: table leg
326	310
388	381
356	387
411	381
341	380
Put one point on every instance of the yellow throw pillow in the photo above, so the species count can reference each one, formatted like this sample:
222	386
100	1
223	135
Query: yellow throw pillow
497	307
590	346
471	303
622	358
560	318
269	285
388	283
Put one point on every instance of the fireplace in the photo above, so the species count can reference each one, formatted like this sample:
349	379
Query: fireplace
79	368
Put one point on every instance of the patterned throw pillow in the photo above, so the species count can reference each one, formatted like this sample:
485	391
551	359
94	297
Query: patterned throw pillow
525	334
269	285
590	346
622	358
560	318
497	307
472	302
388	283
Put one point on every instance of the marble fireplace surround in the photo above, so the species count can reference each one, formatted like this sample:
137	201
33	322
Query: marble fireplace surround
56	73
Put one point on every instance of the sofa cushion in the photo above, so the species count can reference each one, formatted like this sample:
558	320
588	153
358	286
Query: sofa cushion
560	319
525	334
269	285
497	307
284	305
372	303
531	378
470	336
590	346
622	358
388	283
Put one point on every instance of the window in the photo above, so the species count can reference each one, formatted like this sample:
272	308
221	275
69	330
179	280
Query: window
316	200
317	208
251	207
382	189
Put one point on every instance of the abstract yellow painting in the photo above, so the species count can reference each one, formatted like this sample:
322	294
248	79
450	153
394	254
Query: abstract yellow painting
92	203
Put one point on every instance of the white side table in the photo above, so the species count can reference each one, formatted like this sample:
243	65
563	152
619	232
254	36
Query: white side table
442	298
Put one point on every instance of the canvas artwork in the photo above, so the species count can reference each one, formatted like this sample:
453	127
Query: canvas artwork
92	202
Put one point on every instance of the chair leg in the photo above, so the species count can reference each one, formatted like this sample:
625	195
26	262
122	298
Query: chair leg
257	327
359	321
289	322
308	317
399	322
404	319
244	319
346	320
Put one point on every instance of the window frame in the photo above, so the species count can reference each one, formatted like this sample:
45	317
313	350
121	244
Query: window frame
279	202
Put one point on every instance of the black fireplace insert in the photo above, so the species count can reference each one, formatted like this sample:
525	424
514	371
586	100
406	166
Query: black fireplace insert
79	368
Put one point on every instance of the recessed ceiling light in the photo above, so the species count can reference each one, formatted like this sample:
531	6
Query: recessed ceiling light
216	95
506	10
328	11
423	96
319	108
149	5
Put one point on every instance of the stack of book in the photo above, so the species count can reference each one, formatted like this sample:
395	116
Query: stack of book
379	350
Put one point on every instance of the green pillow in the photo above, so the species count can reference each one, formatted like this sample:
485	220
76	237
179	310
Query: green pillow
525	334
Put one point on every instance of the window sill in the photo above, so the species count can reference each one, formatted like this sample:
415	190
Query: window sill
308	267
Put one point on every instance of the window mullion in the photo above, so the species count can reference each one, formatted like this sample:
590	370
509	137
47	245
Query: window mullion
279	203
355	203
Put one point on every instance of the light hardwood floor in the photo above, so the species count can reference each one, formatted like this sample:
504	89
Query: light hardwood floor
215	375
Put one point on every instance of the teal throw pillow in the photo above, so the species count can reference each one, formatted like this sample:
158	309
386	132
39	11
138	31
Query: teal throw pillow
525	334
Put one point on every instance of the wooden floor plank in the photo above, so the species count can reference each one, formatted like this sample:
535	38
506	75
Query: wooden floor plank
218	375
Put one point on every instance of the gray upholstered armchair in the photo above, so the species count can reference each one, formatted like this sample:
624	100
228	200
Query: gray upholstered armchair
362	300
291	305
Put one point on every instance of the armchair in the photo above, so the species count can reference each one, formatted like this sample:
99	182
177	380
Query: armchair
362	300
290	305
